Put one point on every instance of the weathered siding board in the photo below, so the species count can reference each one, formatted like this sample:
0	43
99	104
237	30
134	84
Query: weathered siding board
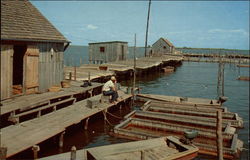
50	65
6	71
161	47
113	52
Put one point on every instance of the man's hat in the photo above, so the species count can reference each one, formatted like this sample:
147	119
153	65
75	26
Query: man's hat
113	78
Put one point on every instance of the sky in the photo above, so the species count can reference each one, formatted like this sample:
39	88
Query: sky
198	24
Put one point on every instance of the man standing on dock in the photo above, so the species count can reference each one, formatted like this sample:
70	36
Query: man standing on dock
109	88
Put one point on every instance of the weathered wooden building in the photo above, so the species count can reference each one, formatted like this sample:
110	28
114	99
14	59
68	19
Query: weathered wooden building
162	46
31	50
103	52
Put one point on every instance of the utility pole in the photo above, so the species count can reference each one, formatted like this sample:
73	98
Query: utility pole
146	40
134	71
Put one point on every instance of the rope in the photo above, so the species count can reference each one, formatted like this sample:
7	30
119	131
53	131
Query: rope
105	118
114	115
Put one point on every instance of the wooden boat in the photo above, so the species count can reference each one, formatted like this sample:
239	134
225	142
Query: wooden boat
244	78
168	69
200	113
243	65
164	148
169	115
180	100
143	128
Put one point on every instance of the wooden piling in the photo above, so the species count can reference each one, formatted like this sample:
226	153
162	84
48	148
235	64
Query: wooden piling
73	153
3	153
61	139
75	73
86	124
70	75
219	136
142	155
35	149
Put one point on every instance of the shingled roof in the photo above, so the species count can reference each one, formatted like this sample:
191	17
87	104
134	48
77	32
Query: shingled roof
168	42
21	21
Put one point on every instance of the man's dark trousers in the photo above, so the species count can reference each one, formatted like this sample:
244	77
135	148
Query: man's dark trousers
113	94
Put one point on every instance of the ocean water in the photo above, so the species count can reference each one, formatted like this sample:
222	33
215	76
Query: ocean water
74	54
194	79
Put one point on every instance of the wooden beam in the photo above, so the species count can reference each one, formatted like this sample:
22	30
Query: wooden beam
86	124
61	139
3	153
35	149
219	136
73	153
142	155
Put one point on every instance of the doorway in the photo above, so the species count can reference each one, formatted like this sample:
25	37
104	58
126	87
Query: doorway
19	51
123	56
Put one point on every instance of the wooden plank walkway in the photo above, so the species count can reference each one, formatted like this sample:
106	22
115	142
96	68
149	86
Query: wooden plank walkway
29	101
82	72
24	135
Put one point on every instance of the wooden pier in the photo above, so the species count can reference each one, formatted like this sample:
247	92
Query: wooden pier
215	58
22	103
122	69
24	135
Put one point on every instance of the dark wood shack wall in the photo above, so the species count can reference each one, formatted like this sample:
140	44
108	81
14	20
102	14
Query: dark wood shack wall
50	65
6	71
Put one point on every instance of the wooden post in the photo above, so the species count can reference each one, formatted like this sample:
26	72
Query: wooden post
219	136
222	79
73	153
39	114
35	149
3	153
86	124
70	75
75	73
89	77
142	155
61	139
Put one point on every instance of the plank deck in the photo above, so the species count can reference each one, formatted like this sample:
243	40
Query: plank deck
29	101
22	136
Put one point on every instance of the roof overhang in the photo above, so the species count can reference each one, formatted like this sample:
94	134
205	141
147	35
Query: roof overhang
35	40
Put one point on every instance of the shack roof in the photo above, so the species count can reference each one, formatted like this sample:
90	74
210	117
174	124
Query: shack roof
108	42
167	41
21	21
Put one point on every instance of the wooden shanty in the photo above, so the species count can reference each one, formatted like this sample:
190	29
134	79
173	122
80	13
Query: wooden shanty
103	52
31	50
162	46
